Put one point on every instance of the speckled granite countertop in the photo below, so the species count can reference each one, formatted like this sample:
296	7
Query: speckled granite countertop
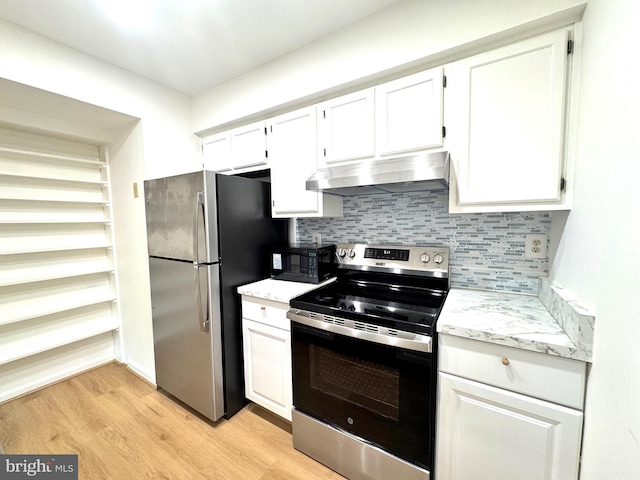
278	290
512	319
516	320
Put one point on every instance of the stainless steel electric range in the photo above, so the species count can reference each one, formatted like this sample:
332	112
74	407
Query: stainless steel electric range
364	362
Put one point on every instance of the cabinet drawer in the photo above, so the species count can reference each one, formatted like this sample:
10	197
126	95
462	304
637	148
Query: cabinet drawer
547	377
267	312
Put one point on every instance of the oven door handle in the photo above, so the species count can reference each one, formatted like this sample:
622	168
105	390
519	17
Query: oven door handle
420	343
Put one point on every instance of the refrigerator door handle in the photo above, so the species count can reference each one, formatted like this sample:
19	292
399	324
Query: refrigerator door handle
203	310
196	223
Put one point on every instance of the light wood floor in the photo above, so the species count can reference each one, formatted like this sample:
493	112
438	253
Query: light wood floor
122	428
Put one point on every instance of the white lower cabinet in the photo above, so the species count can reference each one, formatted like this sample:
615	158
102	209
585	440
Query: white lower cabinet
267	355
486	432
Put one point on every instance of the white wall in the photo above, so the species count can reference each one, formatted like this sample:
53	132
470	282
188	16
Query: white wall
597	260
161	144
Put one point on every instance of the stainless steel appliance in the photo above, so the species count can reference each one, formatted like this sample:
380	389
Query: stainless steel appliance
307	263
364	362
207	234
414	173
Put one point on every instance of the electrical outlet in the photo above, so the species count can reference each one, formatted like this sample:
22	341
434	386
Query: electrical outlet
316	238
535	246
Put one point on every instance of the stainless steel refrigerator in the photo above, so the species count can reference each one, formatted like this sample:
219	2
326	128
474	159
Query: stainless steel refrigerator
207	234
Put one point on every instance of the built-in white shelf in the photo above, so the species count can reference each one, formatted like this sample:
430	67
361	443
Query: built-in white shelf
33	267
53	221
53	248
18	177
38	342
27	155
41	309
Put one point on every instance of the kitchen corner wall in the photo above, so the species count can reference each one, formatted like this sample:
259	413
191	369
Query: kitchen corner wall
487	249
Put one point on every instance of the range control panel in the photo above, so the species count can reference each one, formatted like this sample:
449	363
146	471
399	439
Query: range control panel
430	260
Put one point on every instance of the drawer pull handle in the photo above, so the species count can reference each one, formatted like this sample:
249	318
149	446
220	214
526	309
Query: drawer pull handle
263	308
505	361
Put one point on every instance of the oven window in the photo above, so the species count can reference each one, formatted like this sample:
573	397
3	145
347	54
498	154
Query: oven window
364	383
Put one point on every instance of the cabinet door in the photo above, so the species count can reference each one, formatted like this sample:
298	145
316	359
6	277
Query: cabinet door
486	433
267	367
249	145
293	147
511	115
216	152
346	127
409	113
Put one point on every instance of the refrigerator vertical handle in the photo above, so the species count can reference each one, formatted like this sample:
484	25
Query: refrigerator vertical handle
196	223
203	309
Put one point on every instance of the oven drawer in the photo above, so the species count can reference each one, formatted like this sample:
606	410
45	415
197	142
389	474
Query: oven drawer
267	312
548	377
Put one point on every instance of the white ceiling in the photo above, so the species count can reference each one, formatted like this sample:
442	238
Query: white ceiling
187	45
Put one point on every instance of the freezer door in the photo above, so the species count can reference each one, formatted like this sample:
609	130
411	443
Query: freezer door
186	334
177	222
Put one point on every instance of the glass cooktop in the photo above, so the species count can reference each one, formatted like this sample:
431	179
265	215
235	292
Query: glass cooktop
403	307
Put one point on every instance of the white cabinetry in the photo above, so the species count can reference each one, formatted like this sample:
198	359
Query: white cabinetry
507	143
266	336
346	127
249	145
409	113
216	152
57	273
293	159
401	116
505	413
237	149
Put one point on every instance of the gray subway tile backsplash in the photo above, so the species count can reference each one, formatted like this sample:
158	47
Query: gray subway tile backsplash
487	249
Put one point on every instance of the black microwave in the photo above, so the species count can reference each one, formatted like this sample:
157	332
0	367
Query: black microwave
308	263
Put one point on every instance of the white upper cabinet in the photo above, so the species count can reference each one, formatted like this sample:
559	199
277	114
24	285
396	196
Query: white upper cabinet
508	126
345	127
249	145
409	113
242	149
216	152
293	159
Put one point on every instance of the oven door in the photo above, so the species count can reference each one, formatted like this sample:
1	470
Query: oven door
380	393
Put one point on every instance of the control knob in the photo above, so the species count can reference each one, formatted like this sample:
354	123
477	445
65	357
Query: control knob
341	252
438	259
351	253
424	258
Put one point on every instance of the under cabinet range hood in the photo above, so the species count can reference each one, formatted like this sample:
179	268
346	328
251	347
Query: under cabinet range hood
394	175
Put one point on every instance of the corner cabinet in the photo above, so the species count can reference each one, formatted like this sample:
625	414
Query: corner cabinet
508	110
266	335
293	159
505	413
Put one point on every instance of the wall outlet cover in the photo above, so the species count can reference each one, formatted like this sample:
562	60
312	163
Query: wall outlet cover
535	245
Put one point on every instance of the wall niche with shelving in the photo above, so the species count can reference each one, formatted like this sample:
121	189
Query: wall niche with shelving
58	308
